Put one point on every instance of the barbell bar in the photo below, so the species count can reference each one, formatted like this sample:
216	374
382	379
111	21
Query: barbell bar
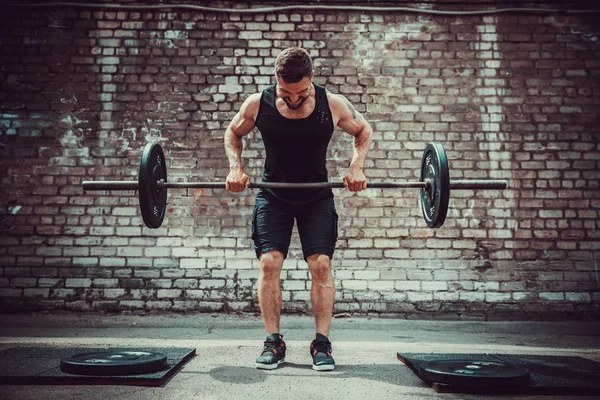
161	184
435	185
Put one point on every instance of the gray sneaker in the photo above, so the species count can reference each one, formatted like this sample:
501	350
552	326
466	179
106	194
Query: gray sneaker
273	353
320	350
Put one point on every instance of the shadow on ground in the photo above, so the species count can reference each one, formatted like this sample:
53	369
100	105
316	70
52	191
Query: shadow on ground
397	374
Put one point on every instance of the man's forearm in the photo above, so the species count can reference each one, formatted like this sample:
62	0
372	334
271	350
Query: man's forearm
233	148
362	144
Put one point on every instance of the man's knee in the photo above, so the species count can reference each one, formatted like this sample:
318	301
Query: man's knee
319	266
271	263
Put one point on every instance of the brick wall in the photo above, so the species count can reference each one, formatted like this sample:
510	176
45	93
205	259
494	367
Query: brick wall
511	96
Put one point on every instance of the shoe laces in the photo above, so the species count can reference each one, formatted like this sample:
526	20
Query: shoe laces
274	347
320	347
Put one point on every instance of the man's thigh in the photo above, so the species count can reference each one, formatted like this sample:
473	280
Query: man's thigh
272	224
318	227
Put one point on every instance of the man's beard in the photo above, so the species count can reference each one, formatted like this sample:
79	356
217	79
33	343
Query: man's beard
296	106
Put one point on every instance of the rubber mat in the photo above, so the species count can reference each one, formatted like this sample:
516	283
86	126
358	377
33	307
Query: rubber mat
556	375
41	366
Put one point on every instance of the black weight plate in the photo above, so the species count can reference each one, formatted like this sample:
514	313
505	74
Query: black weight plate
434	202
114	363
153	202
469	372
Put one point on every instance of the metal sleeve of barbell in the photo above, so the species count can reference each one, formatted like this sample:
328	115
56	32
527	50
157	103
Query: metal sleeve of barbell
292	185
477	184
110	185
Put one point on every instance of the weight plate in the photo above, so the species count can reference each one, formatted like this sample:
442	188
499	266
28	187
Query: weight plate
114	363
434	202
466	372
153	202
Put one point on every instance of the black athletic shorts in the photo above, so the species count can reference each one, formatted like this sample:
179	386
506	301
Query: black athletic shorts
273	221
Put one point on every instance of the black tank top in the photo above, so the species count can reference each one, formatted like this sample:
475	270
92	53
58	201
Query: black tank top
296	148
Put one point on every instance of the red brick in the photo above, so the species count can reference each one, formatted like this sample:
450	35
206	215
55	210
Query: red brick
415	86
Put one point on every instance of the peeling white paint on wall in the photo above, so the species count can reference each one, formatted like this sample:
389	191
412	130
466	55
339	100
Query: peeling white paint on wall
13	210
491	89
107	96
6	123
566	27
177	35
396	34
491	109
150	133
492	113
129	132
69	139
66	100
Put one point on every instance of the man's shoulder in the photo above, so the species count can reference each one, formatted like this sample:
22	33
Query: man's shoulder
253	99
251	105
335	100
256	97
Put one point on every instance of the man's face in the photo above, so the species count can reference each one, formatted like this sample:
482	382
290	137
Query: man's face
294	94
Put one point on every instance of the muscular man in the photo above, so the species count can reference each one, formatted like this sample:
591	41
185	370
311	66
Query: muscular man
296	119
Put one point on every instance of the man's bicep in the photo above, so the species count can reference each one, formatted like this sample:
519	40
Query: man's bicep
244	121
351	121
241	125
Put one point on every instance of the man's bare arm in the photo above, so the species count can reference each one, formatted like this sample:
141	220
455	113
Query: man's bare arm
356	125
241	125
353	123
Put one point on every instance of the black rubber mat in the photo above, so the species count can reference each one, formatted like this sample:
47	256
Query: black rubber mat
556	375
41	366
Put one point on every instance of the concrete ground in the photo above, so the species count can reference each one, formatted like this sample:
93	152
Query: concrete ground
226	345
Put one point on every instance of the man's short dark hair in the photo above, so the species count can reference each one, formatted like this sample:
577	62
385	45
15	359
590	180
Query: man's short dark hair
293	64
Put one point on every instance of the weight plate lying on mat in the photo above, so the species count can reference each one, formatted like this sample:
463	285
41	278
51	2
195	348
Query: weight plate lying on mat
481	373
153	202
114	363
434	202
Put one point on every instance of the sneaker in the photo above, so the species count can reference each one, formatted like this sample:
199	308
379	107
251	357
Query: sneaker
273	353
320	350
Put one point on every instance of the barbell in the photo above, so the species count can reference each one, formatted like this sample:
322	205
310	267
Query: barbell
435	185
